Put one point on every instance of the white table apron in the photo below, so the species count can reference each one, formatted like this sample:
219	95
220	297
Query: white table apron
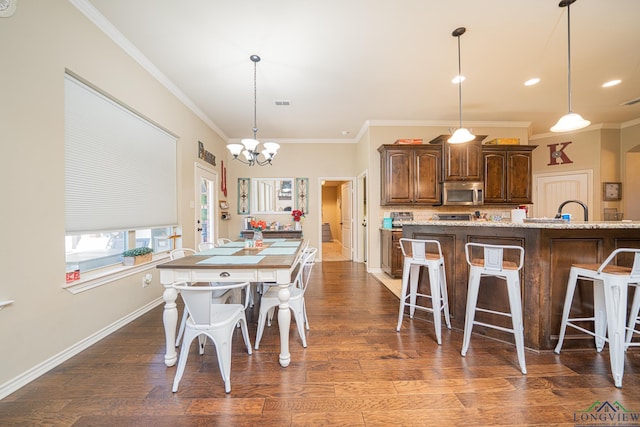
281	276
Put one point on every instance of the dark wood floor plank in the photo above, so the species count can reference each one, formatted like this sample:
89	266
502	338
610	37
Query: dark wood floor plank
356	371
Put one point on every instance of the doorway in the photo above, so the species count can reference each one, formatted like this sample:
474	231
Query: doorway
550	190
206	183
337	229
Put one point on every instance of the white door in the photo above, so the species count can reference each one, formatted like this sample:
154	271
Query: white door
346	219
205	206
551	190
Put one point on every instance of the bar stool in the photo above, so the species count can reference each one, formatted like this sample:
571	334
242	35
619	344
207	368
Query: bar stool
610	287
416	256
493	264
634	318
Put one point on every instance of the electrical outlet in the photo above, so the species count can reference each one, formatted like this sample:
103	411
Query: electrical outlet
506	215
146	280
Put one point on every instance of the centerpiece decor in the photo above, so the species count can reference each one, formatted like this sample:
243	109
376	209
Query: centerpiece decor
256	242
136	256
297	215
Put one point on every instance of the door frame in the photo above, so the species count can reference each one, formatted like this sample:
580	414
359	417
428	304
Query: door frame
354	230
212	175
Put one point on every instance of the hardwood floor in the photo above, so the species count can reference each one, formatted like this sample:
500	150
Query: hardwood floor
356	371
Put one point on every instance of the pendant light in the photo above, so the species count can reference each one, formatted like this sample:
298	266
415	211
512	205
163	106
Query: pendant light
570	121
249	147
461	135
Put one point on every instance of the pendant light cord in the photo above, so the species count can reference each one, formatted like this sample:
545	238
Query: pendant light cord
459	82
255	59
569	53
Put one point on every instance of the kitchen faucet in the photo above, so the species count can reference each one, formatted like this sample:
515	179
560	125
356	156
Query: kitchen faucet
584	207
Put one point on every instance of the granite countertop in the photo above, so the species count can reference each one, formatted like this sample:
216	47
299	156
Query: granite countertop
551	224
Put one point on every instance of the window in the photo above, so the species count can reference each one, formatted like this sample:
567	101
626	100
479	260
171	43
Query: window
120	174
91	251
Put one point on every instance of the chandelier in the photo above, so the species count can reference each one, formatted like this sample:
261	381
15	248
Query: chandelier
570	121
249	147
461	134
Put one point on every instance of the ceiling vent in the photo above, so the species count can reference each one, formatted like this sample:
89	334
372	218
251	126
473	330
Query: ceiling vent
282	102
631	101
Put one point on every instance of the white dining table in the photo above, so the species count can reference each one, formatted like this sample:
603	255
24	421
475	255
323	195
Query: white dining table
232	262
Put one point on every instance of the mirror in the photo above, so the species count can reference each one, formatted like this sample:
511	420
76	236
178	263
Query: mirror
272	196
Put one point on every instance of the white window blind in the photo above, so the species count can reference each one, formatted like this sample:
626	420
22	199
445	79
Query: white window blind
120	169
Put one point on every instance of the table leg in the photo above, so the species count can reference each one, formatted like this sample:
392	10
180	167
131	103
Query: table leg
284	322
170	320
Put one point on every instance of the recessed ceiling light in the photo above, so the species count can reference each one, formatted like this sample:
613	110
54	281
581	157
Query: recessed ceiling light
532	81
612	83
345	132
457	79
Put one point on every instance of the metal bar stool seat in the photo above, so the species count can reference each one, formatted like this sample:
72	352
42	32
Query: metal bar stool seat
610	288
493	264
416	256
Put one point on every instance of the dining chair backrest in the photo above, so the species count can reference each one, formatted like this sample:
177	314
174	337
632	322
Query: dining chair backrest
181	253
222	241
198	300
205	245
308	261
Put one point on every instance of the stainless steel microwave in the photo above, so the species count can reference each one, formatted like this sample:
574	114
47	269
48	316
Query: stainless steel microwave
458	193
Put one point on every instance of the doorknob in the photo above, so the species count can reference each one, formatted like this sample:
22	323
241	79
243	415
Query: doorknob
198	229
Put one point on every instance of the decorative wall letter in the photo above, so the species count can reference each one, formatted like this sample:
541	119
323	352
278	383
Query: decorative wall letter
556	151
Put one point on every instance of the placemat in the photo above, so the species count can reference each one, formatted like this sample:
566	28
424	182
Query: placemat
234	245
285	244
219	251
278	251
226	260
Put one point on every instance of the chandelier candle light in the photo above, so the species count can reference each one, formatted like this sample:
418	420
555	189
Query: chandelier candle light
249	147
461	135
570	121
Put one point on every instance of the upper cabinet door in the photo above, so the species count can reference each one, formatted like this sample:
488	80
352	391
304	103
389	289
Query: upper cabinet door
463	162
396	180
519	179
427	187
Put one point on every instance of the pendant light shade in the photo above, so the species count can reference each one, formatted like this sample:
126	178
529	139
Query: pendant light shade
570	121
461	135
249	147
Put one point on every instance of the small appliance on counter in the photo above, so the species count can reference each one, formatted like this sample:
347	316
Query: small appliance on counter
398	218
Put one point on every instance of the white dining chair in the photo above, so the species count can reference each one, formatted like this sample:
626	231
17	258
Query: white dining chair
222	241
297	289
203	246
215	321
219	296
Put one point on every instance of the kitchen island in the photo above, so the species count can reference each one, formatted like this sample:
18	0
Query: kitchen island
550	249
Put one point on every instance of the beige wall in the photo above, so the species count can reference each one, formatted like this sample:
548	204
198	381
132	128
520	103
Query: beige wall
45	38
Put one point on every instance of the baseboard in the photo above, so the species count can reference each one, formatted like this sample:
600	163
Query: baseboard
44	367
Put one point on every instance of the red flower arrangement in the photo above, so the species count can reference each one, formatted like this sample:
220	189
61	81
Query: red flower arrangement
259	225
297	215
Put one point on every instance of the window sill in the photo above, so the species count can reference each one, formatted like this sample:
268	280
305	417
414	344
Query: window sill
104	276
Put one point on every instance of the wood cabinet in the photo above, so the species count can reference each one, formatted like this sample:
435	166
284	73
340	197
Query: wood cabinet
507	173
463	162
391	258
410	174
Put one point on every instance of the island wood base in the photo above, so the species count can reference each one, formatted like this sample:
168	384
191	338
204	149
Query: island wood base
549	253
